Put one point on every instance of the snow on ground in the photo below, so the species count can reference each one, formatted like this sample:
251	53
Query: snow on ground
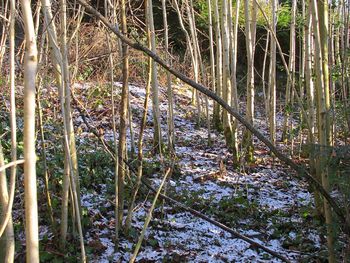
181	237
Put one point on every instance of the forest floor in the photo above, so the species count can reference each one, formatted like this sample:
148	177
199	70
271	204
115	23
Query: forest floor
264	201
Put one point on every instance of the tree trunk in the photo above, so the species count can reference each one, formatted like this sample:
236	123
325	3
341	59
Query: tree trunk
211	81
123	126
234	98
226	76
272	77
69	137
266	93
30	193
157	137
250	29
320	25
7	240
217	109
171	127
288	124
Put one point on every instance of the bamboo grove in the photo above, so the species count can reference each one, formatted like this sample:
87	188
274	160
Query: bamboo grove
306	72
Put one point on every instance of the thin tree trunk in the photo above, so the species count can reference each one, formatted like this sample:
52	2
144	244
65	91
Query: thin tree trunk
67	103
212	61
310	93
234	96
200	66
250	29
140	140
69	137
4	29
320	24
30	193
123	126
197	56
7	249
114	124
44	157
7	240
266	92
272	78
157	136
40	120
131	129
287	124
171	127
60	64
226	76
302	59
332	64
217	109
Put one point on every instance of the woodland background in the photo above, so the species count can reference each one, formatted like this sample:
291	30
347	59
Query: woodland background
174	131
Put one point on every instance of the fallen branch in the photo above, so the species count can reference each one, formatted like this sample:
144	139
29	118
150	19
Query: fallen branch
301	171
212	221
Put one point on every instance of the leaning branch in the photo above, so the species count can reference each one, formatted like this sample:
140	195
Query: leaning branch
301	171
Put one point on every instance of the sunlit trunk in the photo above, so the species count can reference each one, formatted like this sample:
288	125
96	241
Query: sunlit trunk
30	183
